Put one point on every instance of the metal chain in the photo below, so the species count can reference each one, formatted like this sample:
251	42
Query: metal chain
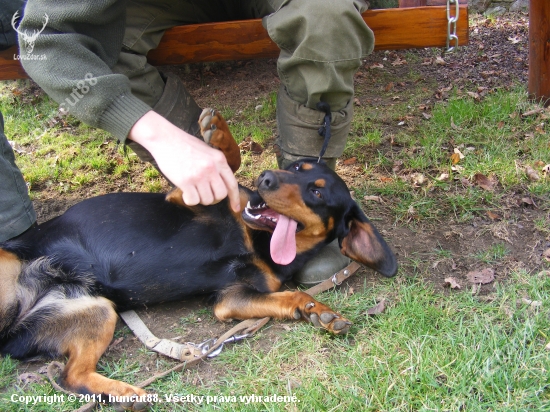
451	26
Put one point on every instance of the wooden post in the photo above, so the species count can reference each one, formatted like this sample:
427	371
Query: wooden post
539	50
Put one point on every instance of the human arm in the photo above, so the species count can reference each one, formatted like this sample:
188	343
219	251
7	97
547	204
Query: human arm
201	172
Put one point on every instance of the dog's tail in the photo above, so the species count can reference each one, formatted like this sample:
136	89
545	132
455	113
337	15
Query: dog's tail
31	294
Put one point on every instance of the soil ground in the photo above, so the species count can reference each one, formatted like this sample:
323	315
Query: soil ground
496	57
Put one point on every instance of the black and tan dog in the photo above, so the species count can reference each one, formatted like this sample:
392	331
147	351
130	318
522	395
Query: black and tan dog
62	282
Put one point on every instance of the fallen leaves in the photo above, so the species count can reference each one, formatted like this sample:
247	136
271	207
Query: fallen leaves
485	182
481	276
377	309
373	198
531	303
531	174
452	283
249	145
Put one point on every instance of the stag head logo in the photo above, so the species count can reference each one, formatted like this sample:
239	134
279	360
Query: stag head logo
28	38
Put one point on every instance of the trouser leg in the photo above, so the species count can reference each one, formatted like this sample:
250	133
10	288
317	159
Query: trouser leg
322	43
16	210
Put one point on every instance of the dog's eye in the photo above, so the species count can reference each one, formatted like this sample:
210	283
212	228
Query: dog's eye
317	193
297	166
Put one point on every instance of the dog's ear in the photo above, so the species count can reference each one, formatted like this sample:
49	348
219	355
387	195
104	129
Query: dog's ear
360	241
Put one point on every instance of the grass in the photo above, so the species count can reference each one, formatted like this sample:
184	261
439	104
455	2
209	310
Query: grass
428	351
495	139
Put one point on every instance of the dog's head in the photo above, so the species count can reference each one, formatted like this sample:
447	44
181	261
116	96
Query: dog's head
308	204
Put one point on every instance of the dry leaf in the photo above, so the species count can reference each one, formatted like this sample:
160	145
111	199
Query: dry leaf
397	165
532	174
440	61
452	283
481	276
547	347
389	86
546	255
453	125
473	95
249	145
115	342
546	169
484	182
378	309
374	199
357	102
376	66
443	177
493	216
528	201
418	179
532	303
399	62
350	161
455	158
532	112
459	153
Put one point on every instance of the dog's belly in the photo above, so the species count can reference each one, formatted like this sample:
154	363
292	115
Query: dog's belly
141	250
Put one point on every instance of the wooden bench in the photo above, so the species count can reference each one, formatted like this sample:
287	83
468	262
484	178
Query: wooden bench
415	24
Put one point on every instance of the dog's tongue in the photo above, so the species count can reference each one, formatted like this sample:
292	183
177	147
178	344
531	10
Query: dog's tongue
283	241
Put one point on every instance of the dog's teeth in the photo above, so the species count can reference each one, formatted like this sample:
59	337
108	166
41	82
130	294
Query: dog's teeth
248	206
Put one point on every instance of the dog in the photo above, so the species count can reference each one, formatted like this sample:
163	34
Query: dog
63	281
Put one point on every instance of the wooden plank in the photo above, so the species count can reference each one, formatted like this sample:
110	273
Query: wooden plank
247	39
10	68
539	51
421	3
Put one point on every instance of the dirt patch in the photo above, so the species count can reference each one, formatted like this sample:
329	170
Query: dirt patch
495	58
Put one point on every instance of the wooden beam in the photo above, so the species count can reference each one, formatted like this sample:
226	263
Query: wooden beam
247	39
420	3
539	51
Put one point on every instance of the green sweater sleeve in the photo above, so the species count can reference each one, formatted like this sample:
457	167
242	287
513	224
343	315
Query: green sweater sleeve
73	56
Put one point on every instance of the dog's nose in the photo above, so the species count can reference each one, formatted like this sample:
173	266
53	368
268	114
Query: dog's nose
268	180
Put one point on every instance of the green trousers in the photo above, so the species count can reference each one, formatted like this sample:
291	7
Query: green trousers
16	211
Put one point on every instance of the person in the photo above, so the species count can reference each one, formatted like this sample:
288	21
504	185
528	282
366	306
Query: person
16	210
321	45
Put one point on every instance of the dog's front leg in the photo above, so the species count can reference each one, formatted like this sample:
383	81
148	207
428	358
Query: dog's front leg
242	302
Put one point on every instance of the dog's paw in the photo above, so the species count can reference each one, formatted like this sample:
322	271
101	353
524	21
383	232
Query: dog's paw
212	127
215	132
322	316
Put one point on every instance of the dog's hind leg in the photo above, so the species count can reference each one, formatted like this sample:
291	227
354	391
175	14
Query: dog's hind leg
242	302
80	328
84	330
10	268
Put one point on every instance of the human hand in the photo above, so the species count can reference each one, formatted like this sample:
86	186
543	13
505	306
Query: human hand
201	172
